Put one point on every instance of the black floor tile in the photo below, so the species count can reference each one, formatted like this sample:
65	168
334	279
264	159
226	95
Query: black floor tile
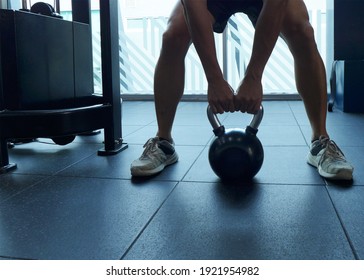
302	119
130	129
11	184
208	221
344	136
192	114
66	202
48	158
288	165
183	135
338	118
78	218
350	208
8	259
347	135
118	166
201	170
281	136
277	107
138	113
296	106
115	166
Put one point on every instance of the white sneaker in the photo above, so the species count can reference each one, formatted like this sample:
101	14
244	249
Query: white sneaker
156	156
330	161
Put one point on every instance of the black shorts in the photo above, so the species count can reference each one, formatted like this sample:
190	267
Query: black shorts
222	10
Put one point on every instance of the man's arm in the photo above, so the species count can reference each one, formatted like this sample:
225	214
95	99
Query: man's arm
200	21
267	30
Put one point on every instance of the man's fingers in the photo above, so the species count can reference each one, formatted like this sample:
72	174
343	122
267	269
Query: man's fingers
231	107
217	109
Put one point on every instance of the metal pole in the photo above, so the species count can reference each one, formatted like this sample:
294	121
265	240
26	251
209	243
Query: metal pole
3	4
111	74
81	11
57	6
224	53
25	4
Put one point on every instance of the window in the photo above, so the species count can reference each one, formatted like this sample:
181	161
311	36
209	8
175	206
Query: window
142	23
142	26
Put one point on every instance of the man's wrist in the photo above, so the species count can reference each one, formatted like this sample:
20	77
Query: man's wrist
255	75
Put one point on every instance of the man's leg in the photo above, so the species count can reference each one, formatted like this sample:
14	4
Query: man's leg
311	84
169	79
169	74
309	68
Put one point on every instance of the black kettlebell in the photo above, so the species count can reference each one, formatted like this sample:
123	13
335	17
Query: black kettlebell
236	154
44	9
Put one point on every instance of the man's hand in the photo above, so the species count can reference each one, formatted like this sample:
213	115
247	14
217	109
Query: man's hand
220	96
249	96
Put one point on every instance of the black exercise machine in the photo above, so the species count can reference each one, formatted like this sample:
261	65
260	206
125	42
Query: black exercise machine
46	78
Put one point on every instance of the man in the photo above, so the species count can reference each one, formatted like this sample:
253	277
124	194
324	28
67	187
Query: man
194	21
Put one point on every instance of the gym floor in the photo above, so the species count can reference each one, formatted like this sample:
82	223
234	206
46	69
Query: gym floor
65	202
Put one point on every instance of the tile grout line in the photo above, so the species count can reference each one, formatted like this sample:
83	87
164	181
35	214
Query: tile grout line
352	247
198	156
147	224
298	125
46	178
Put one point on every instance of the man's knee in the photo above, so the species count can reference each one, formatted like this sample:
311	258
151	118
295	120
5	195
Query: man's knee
302	31
176	39
300	36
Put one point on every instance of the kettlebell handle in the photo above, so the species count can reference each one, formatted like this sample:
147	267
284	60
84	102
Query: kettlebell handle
219	129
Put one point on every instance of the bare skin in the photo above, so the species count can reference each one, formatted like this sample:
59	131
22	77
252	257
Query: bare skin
192	22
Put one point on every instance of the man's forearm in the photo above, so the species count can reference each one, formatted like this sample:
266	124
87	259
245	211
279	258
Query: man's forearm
267	31
199	22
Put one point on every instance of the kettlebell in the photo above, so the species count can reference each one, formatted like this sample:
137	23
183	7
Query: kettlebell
235	154
44	9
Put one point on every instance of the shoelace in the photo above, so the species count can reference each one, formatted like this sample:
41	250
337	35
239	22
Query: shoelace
150	147
332	150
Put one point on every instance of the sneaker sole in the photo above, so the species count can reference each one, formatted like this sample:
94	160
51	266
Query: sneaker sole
142	173
342	175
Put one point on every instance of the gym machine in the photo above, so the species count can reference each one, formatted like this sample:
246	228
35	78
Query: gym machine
46	78
347	71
